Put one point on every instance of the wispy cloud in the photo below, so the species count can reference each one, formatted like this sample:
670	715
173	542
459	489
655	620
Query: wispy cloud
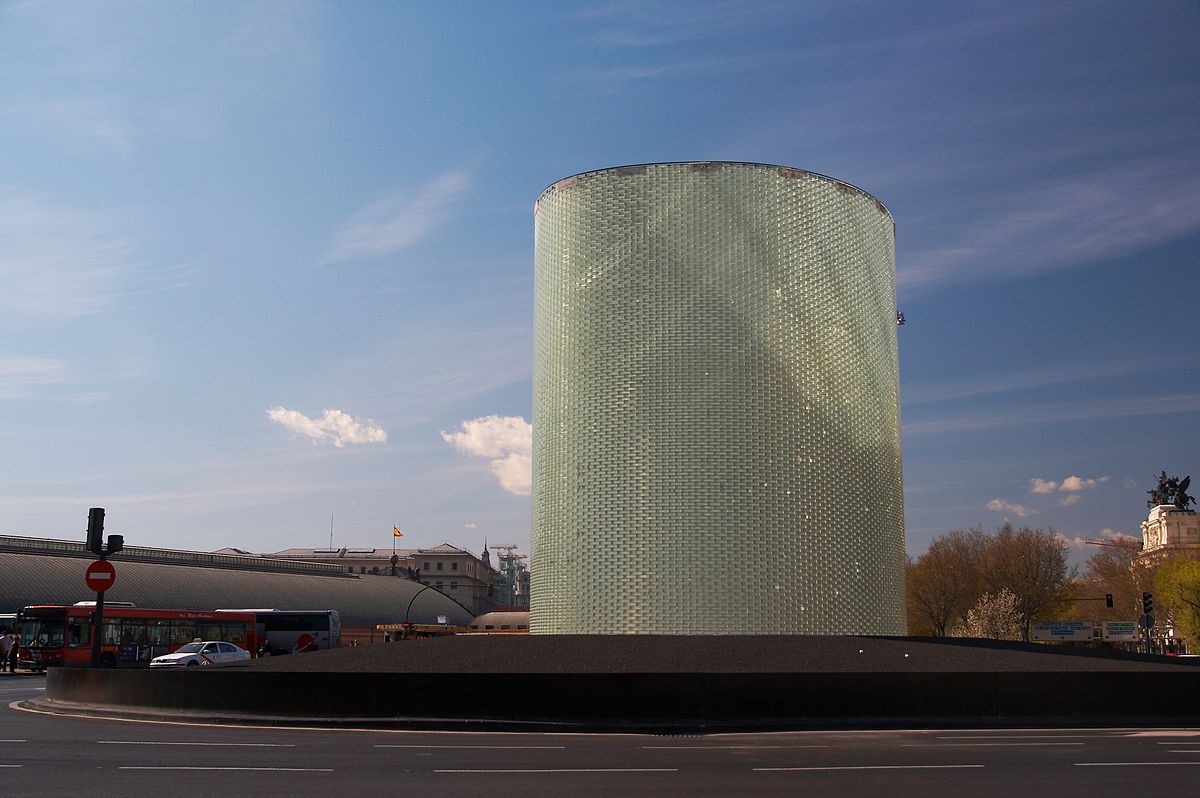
1071	483
1062	223
59	262
653	24
397	219
333	426
87	122
507	440
1030	379
1082	411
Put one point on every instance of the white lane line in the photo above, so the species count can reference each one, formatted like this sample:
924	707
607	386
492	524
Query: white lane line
1023	736
724	747
1172	733
189	767
977	745
481	747
564	770
233	745
1183	750
12	766
1177	742
869	767
1128	764
14	741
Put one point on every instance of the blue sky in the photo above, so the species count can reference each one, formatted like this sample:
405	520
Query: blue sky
262	264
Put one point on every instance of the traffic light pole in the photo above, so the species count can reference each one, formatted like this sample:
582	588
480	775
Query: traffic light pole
95	536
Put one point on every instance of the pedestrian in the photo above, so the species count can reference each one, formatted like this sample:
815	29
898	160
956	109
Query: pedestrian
12	653
265	649
5	643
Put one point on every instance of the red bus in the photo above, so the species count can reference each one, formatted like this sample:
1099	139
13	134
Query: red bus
130	637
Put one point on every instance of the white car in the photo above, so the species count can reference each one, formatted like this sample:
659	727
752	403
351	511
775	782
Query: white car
209	652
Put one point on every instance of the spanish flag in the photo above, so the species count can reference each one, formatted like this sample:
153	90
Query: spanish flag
396	533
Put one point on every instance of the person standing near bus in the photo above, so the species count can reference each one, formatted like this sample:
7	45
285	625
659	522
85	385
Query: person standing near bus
12	652
6	641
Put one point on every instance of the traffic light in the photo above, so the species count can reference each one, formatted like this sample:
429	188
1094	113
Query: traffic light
1108	602
95	532
1147	603
115	544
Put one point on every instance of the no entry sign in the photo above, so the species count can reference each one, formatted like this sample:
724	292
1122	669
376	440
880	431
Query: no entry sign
100	576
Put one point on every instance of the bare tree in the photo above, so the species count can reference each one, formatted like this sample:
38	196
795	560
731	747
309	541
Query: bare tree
1032	565
1111	569
945	582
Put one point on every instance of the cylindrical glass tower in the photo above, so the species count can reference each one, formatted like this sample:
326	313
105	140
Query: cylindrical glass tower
715	405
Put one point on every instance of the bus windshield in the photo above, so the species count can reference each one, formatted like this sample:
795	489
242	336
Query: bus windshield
42	632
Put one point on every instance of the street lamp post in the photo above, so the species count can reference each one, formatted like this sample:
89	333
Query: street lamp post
409	607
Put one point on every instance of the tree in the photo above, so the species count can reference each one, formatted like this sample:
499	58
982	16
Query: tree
1177	590
1111	569
945	582
1032	565
993	617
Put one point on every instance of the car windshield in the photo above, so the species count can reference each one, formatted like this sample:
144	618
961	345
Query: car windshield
190	648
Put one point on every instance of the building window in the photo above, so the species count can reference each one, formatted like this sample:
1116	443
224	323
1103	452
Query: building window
453	566
426	566
454	585
438	585
439	566
362	569
350	569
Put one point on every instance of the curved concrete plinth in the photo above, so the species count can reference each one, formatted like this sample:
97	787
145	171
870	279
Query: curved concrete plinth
646	702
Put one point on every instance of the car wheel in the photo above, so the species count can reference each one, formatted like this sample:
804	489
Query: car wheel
193	663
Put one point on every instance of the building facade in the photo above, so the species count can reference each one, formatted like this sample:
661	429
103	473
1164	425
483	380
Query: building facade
453	571
716	405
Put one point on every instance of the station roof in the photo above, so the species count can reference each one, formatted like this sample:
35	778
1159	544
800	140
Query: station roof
56	577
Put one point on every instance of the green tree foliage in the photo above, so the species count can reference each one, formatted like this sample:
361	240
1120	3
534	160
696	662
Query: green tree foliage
1177	592
947	582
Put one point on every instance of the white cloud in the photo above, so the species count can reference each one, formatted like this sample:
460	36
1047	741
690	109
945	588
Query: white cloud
1067	501
507	440
333	425
472	525
1002	506
1077	483
397	219
1039	485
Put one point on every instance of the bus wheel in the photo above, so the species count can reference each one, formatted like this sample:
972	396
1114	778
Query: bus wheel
108	661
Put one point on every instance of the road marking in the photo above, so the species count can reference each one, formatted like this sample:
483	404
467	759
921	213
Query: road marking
189	767
1183	751
1128	764
14	741
565	770
976	745
870	767
1022	736
1164	734
724	747
480	747
236	745
12	766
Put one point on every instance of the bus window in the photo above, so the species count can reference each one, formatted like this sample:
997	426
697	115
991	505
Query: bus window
44	633
79	632
209	630
183	631
160	632
111	634
234	633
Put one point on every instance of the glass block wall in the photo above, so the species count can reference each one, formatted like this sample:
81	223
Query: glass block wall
715	409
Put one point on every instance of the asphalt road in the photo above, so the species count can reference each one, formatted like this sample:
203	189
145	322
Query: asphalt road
48	755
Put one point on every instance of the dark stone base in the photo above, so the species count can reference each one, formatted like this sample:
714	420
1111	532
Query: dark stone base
1039	686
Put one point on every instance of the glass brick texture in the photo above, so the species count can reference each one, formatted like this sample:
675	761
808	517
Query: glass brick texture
716	409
